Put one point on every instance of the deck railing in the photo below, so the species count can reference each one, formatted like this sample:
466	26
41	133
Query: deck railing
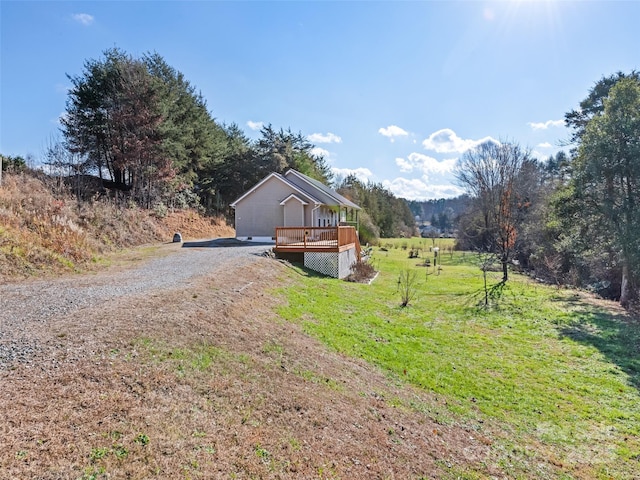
316	238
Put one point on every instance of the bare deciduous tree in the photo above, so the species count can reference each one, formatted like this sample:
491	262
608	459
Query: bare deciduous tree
489	173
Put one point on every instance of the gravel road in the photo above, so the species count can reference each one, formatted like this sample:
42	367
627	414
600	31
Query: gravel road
24	304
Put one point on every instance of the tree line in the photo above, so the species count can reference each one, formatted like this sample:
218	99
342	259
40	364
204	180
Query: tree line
384	215
139	131
441	214
574	219
141	127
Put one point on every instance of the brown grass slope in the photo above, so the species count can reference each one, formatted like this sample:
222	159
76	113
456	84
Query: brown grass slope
43	230
209	383
205	382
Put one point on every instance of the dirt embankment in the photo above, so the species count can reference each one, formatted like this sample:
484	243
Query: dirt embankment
43	230
199	378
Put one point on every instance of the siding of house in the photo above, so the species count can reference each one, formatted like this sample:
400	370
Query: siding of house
293	213
258	214
307	215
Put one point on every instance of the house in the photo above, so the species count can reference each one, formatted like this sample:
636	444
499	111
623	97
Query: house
304	217
290	200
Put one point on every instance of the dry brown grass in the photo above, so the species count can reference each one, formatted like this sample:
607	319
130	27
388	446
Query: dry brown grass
221	388
200	383
362	272
43	230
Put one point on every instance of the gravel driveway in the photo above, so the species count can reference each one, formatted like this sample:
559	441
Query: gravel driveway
26	303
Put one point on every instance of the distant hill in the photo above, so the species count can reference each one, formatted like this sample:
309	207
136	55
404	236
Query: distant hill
427	210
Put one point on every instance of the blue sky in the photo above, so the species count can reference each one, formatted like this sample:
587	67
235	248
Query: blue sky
393	91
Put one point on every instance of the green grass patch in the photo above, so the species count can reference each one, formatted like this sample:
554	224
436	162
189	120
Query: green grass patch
444	244
554	373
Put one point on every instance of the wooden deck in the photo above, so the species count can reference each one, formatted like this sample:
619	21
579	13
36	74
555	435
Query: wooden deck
316	239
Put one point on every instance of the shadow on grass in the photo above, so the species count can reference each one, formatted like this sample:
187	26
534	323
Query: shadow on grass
304	271
616	336
488	297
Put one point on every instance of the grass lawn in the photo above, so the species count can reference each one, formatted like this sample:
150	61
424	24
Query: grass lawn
550	376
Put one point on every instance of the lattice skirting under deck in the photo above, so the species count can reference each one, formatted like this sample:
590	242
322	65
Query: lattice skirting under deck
333	264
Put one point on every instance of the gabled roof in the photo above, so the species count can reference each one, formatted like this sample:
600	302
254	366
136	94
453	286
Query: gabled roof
282	179
315	184
292	196
307	187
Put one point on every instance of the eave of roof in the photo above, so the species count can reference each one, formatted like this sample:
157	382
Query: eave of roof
282	179
293	196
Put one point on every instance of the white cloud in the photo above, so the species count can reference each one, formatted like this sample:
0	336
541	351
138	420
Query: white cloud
254	125
83	18
545	125
404	165
322	138
426	164
446	141
363	174
418	189
320	152
393	131
544	145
